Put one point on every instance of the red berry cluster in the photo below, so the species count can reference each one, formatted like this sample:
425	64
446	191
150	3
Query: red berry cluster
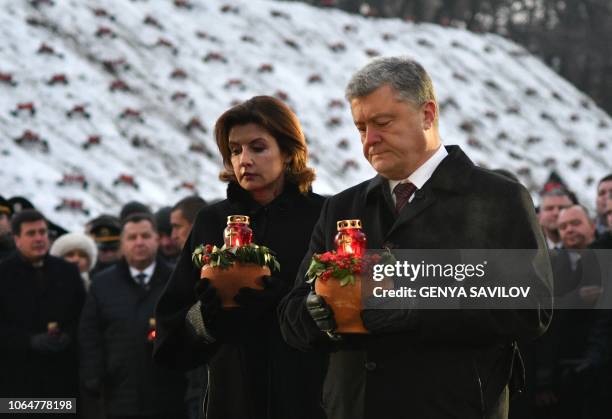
339	266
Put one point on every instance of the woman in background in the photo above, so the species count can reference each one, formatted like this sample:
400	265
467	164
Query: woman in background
77	248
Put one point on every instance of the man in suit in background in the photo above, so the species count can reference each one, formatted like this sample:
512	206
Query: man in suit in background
41	297
116	331
425	364
182	217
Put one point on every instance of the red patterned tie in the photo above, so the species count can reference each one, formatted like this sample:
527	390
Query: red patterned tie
403	192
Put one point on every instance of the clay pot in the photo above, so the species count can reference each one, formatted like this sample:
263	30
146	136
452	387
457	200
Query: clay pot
229	281
345	301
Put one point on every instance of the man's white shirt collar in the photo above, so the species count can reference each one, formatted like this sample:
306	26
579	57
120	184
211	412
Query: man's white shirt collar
423	173
148	271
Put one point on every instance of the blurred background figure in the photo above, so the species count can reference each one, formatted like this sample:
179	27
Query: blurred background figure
79	249
117	331
40	302
105	231
576	229
182	217
7	245
19	203
604	189
578	286
133	207
551	204
169	249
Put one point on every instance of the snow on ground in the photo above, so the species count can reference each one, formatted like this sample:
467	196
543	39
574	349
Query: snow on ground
502	105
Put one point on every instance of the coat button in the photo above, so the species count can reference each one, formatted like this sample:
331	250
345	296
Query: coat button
370	366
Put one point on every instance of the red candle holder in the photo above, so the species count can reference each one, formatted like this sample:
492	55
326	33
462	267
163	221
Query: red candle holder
350	240
53	329
152	333
237	233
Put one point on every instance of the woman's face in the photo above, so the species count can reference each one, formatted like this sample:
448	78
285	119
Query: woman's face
80	258
257	161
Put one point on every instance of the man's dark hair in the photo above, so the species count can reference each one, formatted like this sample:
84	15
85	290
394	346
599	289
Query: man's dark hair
133	207
138	217
604	179
190	207
25	216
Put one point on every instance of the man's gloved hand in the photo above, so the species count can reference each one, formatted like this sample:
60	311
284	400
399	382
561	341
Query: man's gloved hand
322	314
383	316
255	301
92	387
46	343
210	303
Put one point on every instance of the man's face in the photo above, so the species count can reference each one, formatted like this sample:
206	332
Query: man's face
609	213
603	191
575	228
550	208
33	242
394	133
168	246
139	243
180	227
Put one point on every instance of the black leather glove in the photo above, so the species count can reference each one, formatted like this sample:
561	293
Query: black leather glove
322	314
92	387
256	302
210	303
46	343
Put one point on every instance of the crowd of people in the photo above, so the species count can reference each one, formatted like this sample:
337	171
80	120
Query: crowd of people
118	317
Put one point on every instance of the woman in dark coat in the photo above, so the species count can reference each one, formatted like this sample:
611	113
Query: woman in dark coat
252	372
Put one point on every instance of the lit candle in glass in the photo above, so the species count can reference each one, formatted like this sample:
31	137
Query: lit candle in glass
237	233
350	240
152	333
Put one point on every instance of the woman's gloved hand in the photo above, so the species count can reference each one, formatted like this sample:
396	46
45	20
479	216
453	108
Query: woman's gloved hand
256	302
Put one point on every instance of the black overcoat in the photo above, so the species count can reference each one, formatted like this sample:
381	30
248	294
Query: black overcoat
29	300
252	372
446	364
114	348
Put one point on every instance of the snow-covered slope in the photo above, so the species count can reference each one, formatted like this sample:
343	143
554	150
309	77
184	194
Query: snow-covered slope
142	70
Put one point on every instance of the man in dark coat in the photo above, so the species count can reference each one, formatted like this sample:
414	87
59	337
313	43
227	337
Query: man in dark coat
182	216
577	287
169	249
604	189
605	240
426	364
41	297
116	339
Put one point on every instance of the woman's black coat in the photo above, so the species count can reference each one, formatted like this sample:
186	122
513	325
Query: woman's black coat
252	372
